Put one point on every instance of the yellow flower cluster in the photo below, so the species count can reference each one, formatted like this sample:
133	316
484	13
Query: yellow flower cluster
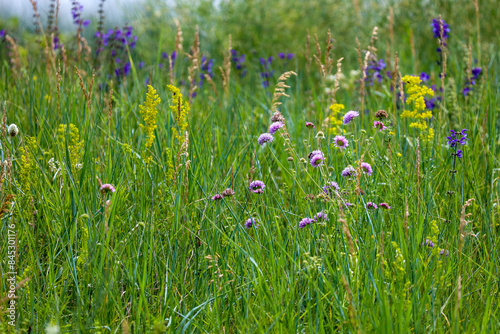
334	120
74	144
148	112
419	114
180	110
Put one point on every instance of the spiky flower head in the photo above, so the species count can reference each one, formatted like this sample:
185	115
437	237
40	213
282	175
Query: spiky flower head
257	187
265	138
275	127
349	116
371	205
381	114
340	142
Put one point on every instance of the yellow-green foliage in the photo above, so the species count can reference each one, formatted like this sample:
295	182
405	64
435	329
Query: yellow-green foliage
180	109
72	141
27	164
148	112
419	115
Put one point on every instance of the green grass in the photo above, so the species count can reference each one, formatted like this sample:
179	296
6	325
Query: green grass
159	255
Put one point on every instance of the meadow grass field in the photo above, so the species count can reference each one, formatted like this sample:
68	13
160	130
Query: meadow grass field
252	166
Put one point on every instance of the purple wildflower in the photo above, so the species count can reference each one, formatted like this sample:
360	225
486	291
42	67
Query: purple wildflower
371	205
304	222
349	116
429	243
257	187
321	216
310	125
366	168
340	142
348	171
316	158
217	197
264	138
107	188
444	252
436	28
347	205
424	76
384	205
330	187
251	222
275	127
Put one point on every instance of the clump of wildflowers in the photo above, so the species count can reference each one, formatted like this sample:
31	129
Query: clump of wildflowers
420	115
239	62
304	222
251	223
180	109
316	158
148	112
340	142
275	126
257	187
366	168
265	138
379	125
349	116
73	142
334	119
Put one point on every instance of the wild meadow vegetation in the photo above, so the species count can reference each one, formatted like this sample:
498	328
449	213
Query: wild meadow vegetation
252	166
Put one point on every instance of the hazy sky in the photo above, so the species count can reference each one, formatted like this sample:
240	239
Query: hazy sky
114	10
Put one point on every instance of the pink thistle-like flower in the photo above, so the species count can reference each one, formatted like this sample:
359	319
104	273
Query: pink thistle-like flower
384	205
349	116
379	125
366	168
275	127
257	187
371	205
304	222
217	197
107	188
265	138
310	125
340	142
